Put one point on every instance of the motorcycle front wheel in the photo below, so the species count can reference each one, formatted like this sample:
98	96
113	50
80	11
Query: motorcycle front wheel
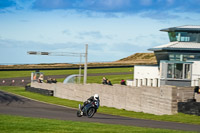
78	113
91	112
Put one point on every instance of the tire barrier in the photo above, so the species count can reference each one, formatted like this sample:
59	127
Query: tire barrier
40	91
190	107
14	82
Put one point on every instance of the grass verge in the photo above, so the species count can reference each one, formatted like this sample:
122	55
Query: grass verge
182	118
20	124
115	79
12	74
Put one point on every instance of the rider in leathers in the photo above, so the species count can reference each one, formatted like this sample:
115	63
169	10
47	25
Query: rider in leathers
94	98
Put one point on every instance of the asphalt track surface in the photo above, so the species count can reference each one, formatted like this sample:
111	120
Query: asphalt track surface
26	80
17	105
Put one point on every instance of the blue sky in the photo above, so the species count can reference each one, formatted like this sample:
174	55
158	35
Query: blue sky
113	29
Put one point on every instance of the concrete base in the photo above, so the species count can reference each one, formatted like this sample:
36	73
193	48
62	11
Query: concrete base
183	83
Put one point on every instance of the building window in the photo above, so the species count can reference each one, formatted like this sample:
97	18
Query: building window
175	57
171	57
177	71
187	71
172	36
178	57
184	37
179	36
189	57
183	57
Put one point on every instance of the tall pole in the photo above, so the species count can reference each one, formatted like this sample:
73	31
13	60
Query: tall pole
85	66
80	69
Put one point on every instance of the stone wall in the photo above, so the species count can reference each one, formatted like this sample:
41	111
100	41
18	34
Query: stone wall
197	97
44	85
154	100
185	93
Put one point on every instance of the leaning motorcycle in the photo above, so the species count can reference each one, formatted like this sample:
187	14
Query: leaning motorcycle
88	110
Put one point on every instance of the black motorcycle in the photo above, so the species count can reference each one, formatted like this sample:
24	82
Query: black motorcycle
88	110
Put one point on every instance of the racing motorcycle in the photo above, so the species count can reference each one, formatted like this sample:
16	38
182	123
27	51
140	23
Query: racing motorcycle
88	110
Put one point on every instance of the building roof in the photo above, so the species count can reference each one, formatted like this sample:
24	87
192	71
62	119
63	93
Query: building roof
185	28
191	46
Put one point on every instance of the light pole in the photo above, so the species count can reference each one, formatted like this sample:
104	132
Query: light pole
85	67
80	69
68	54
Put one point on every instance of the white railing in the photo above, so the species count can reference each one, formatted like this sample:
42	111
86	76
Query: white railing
144	82
154	82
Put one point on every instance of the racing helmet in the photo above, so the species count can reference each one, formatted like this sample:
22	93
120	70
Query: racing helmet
96	96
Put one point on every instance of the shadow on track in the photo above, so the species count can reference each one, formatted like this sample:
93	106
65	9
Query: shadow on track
7	99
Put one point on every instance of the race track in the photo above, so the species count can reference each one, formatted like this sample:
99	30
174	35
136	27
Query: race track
27	80
17	105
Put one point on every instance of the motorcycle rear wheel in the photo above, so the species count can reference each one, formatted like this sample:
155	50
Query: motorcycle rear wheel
91	112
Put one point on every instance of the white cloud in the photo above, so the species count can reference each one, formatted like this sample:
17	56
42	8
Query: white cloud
170	1
146	2
114	4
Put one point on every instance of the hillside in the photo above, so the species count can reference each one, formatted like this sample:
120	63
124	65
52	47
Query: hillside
135	59
139	58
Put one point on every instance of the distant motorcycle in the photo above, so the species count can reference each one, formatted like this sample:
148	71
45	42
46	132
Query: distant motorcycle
88	110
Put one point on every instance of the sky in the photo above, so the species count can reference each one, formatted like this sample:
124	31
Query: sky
113	29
